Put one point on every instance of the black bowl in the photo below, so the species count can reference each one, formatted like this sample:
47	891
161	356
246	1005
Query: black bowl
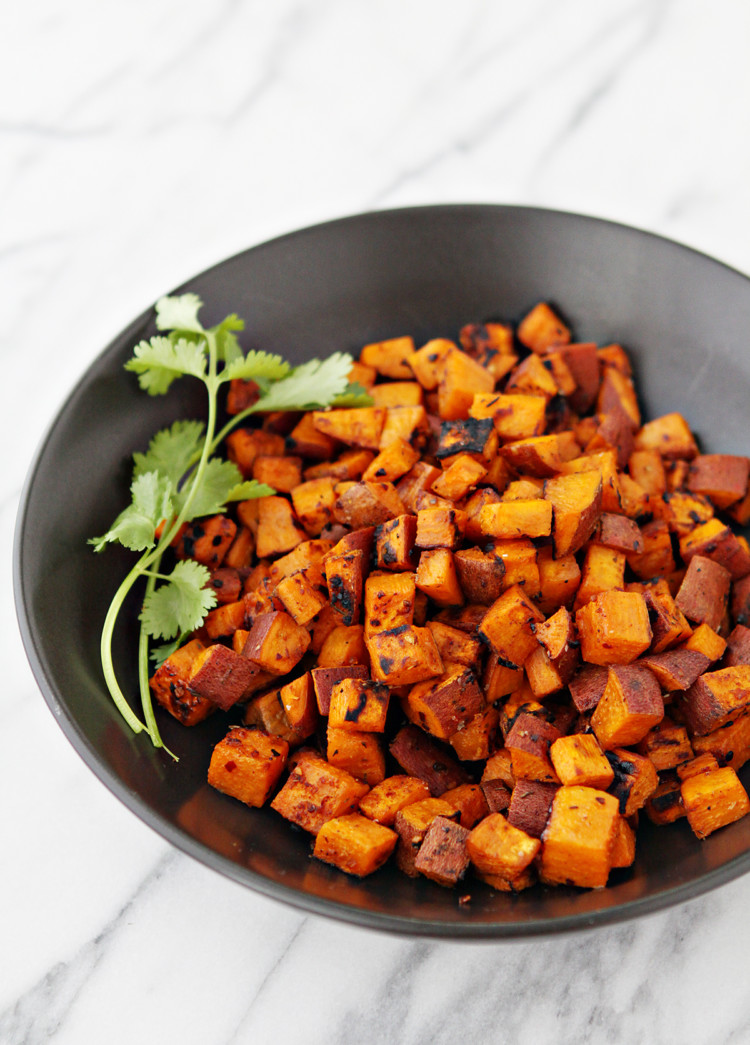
423	271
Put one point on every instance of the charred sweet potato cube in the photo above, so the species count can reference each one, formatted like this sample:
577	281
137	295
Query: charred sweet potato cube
531	377
276	643
630	706
481	574
461	377
224	620
623	851
715	540
313	503
529	743
469	436
442	705
345	577
354	844
461	476
496	795
507	626
603	570
614	628
578	759
419	756
391	795
416	481
721	477
729	744
442	856
558	638
470	802
715	698
439	527
530	806
635	780
221	675
170	686
324	679
667	745
307	557
316	792
437	577
389	601
266	711
407	423
392	463
577	503
496	847
558	580
360	754
685	511
207	540
542	328
427	362
514	416
245	444
454	646
412	823
402	655
301	601
395	543
359	705
540	456
247	764
704	591
669	435
510	519
676	669
479	338
713	800
344	645
617	395
389	357
704	763
298	700
282	473
357	426
368	504
348	466
669	625
278	530
579	837
664	805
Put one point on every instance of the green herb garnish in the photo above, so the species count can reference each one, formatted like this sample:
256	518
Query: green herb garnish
178	479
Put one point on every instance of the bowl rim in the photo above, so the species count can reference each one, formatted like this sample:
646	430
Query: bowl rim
243	875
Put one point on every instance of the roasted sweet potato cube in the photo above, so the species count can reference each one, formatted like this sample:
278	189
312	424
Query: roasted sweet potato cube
389	601
358	426
391	795
469	436
420	756
427	362
324	679
578	759
530	806
704	591
442	856
669	435
368	504
266	711
664	805
507	626
281	473
345	577
519	557
207	540
514	416
469	800
577	503
603	570
542	329
614	628
245	444
316	792
496	847
298	700
705	640
715	698
354	844
276	643
442	705
344	645
499	766
313	503
657	557
454	645
667	745
475	740
646	467
397	393
278	530
481	574
407	423
511	519
738	647
702	764
224	620
412	823
437	577
558	580
669	625
305	440
170	685
729	744
360	754
477	338
558	638
635	780
531	377
403	655
301	601
221	675
587	686
713	800
348	466
389	357
247	764
721	477
715	540
395	543
461	377
582	360
543	677
496	795
308	558
461	476
392	463
529	742
240	554
676	669
630	706
359	705
623	851
579	838
439	527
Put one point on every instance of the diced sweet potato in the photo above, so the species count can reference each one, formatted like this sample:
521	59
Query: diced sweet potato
578	759
542	329
635	780
496	795
579	837
301	601
676	669
582	360
623	851
170	685
721	477
443	856
603	570
587	686
316	792
389	601
412	823
530	806
715	540
630	706
497	847
278	530
730	743
527	518
220	675
714	698
705	640
391	795
247	764
507	626
245	444
324	679
469	800
514	416
395	543
704	591
454	645
345	576
420	756
359	705
360	754
614	628
282	473
713	800
354	844
298	700
358	426
313	503
437	577
664	805
669	435
667	745
577	503
207	540
344	645
276	643
461	378
529	742
402	655
443	705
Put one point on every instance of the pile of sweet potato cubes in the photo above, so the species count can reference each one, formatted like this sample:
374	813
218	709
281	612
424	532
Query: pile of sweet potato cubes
485	622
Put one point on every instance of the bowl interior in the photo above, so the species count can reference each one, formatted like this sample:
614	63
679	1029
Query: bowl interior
424	271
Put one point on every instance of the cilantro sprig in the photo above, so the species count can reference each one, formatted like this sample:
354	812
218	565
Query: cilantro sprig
178	479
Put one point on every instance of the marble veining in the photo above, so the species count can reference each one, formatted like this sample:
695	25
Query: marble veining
141	143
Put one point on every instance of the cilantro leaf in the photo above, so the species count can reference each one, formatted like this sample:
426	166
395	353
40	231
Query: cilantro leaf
159	361
255	366
179	313
180	604
353	395
309	386
160	653
227	345
171	451
249	490
218	480
135	526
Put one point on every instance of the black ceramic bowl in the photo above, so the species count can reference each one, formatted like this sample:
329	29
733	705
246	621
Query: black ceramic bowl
423	271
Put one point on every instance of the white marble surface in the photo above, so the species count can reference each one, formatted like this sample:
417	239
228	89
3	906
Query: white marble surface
141	142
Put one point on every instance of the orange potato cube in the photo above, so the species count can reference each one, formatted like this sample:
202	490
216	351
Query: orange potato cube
714	698
357	426
392	795
404	655
354	844
469	800
247	764
301	601
542	329
359	705
441	706
579	837
623	851
578	759
497	847
389	358
630	706
313	503
459	477
344	645
713	800
360	754
514	416
614	628
316	792
527	518
170	686
436	577
276	643
669	435
635	781
278	530
507	626
392	463
577	503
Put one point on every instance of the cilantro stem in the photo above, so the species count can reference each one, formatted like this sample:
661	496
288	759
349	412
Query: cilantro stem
106	649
